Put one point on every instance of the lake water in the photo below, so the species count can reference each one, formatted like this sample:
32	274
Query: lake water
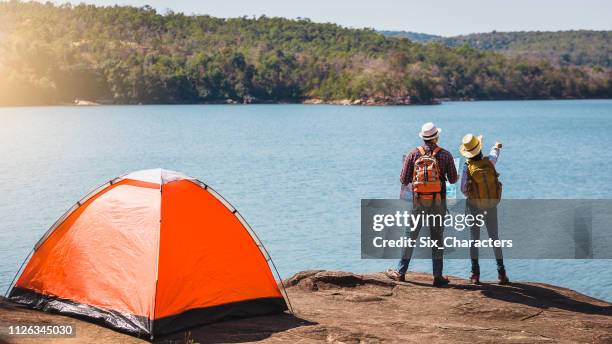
297	172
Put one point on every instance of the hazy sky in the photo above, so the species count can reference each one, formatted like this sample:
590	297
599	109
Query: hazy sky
443	17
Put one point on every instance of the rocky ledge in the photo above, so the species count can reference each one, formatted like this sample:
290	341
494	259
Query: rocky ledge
372	101
342	307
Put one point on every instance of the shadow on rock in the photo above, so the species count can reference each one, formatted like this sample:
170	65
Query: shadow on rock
237	331
544	297
533	295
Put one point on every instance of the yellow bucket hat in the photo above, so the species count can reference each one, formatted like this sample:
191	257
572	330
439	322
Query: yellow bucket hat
471	145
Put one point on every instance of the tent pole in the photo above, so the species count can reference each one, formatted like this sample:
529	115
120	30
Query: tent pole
53	227
10	287
282	283
251	232
273	265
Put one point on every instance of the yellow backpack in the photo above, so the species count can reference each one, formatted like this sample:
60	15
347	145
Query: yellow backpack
484	189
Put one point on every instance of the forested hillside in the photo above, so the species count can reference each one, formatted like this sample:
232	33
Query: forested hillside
562	48
56	54
580	48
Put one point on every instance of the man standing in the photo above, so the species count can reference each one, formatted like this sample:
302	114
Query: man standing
423	165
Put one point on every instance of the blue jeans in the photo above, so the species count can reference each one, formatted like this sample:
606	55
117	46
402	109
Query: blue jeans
490	220
437	253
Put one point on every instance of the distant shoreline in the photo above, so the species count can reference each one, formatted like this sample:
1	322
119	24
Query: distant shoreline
341	102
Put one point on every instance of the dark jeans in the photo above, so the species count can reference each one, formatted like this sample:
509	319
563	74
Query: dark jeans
437	253
490	220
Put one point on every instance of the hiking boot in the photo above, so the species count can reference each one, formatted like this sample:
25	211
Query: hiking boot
503	279
475	278
396	275
440	281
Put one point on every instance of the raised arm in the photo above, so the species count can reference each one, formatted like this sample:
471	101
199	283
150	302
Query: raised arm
494	153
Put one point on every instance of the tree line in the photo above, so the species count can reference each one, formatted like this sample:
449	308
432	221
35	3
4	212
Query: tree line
561	48
52	54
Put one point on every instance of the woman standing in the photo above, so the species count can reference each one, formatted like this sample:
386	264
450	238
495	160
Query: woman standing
482	189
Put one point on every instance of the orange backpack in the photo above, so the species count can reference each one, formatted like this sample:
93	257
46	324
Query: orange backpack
426	182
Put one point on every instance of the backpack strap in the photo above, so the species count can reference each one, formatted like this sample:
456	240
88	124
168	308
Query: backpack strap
436	151
421	150
490	163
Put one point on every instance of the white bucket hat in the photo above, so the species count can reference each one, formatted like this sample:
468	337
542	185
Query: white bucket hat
429	131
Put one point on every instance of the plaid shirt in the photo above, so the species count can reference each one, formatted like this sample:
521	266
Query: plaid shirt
448	171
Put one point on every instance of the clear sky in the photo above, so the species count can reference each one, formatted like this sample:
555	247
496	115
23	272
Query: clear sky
442	17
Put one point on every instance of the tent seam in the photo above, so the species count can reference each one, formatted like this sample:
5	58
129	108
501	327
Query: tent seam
161	185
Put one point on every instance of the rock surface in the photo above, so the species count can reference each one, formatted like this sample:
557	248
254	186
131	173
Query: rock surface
369	101
341	307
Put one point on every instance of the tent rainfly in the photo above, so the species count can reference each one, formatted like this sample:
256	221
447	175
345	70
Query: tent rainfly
150	253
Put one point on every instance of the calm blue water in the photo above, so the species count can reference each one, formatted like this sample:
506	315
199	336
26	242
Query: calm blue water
297	172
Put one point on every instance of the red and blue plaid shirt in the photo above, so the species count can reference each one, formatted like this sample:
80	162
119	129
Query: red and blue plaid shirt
448	171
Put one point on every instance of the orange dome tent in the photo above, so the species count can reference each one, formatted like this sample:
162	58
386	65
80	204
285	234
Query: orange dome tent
150	253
